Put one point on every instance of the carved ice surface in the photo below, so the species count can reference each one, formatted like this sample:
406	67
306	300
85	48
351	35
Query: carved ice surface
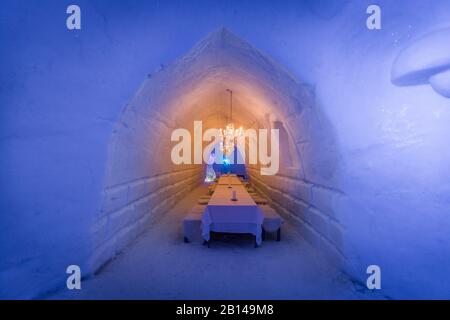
441	83
423	60
367	174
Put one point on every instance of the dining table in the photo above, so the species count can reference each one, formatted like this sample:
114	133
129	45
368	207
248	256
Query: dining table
229	179
231	209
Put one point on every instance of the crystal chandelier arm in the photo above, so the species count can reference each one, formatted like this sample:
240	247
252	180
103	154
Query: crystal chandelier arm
231	104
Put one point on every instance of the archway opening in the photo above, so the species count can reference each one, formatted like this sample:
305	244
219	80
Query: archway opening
142	182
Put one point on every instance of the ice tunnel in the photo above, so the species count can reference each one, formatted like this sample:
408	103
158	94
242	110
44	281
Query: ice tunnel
87	115
140	185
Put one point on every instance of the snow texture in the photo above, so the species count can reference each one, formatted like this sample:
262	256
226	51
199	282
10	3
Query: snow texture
86	119
426	60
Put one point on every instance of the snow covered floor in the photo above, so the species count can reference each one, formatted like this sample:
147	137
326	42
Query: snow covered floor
160	266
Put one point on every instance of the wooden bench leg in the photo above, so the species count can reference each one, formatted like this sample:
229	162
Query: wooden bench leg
186	240
279	234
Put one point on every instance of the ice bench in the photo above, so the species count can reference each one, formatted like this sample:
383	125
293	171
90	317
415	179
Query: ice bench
272	222
192	223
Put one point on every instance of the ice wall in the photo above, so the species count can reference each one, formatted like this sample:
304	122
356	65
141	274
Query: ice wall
370	154
392	145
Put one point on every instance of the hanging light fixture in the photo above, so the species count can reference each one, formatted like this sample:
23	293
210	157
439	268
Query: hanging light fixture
230	134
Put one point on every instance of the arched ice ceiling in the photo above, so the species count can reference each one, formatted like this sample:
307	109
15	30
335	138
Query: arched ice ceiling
219	62
194	88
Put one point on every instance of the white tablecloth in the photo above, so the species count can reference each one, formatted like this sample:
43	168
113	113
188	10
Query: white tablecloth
224	215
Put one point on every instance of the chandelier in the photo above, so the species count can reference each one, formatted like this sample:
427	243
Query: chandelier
229	135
